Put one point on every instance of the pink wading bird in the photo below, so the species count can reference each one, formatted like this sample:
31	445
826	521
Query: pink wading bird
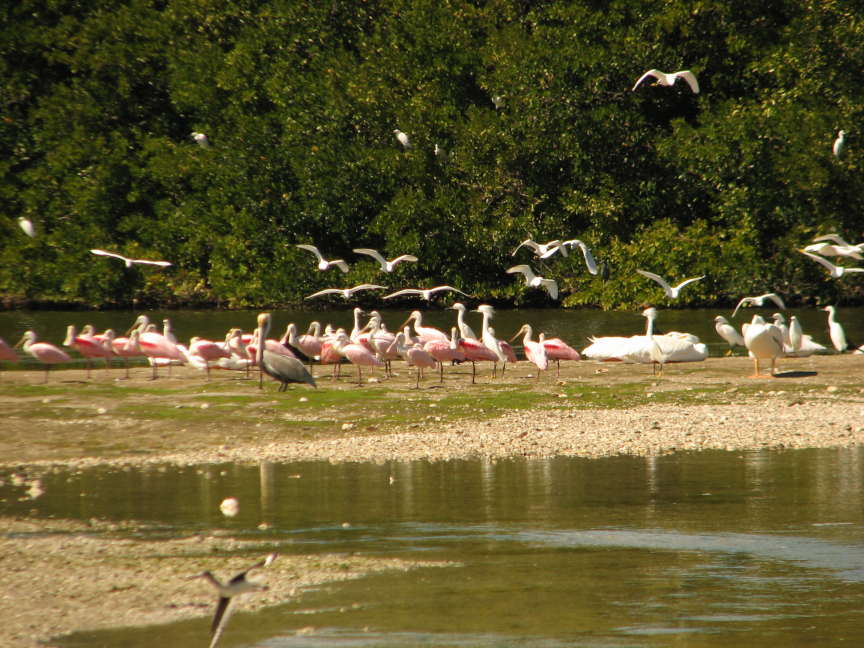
207	351
414	355
87	345
306	344
45	353
155	345
557	350
329	355
445	352
534	351
425	333
128	348
356	355
6	353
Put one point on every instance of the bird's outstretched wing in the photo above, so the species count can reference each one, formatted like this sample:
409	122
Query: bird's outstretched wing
108	254
684	283
451	288
833	238
744	300
688	76
657	74
589	259
339	263
524	269
775	298
404	257
825	262
162	264
368	287
660	280
531	244
554	246
375	255
552	286
406	291
327	291
312	249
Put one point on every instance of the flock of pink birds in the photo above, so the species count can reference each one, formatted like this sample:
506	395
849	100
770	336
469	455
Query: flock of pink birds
368	345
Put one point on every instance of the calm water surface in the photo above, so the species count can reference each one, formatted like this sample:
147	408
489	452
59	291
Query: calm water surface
573	326
710	549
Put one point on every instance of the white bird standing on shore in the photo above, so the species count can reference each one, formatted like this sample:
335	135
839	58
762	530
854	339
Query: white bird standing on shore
727	332
671	293
536	282
836	271
386	266
838	335
130	262
796	334
759	301
763	341
666	79
465	331
403	139
839	144
323	264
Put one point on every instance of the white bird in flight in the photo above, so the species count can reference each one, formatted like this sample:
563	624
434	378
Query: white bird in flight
839	144
543	251
671	293
499	102
536	282
323	264
589	259
347	293
202	140
403	139
386	266
130	262
759	301
665	79
425	294
836	271
26	225
837	247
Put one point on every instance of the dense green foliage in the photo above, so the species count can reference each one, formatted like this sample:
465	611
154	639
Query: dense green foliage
300	101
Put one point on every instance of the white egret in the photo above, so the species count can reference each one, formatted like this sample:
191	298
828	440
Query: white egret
837	247
646	349
759	301
465	331
536	282
762	341
26	225
839	144
589	259
499	102
425	294
202	140
796	334
347	293
323	264
838	335
543	251
666	79
386	266
727	332
130	262
403	139
836	271
671	293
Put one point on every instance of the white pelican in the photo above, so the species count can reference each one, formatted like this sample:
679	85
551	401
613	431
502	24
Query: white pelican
536	282
403	139
129	262
589	259
425	294
838	335
727	332
386	266
347	293
759	301
762	341
499	102
671	293
839	144
543	251
26	225
202	140
323	264
666	79
836	271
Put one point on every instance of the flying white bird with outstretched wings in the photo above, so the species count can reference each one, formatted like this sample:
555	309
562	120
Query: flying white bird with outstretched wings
836	271
347	293
671	293
589	258
130	262
666	79
543	251
386	266
324	264
759	301
536	282
425	294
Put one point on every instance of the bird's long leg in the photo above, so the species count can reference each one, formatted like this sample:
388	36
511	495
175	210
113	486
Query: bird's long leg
154	369
47	367
558	373
359	376
538	375
441	364
773	363
417	386
503	369
127	368
88	367
494	369
207	364
473	371
755	364
107	361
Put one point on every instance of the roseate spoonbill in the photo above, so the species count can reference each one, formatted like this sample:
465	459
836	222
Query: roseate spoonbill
87	345
839	144
464	330
425	333
358	329
44	352
386	266
796	334
306	344
207	351
835	271
762	341
475	351
499	101
838	335
586	253
380	342
231	591
130	262
329	355
414	355
347	293
26	225
425	294
666	79
671	293
323	264
6	352
128	347
759	301
558	350
283	368
535	352
155	345
536	282
356	355
403	139
726	331
541	250
443	352
202	140
167	331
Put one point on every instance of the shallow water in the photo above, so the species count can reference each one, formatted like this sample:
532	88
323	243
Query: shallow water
704	549
573	326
